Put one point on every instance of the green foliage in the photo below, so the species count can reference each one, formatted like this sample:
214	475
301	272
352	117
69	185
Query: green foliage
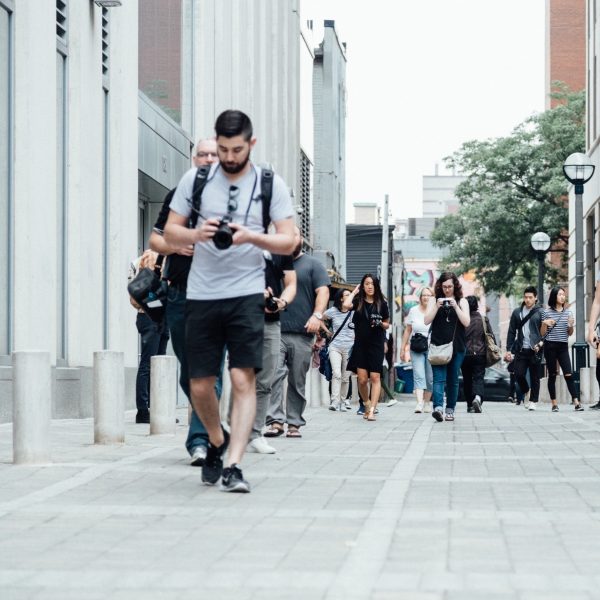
514	187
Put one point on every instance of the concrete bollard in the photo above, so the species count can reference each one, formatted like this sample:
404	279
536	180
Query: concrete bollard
585	385
109	397
544	394
163	394
32	402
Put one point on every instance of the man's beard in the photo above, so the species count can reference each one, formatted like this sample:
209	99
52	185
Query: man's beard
297	250
236	167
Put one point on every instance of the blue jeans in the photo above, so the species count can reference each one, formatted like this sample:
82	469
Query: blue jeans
446	376
422	373
154	342
197	435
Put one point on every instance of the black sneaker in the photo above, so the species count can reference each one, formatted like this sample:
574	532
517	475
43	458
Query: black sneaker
213	463
579	407
437	414
233	480
595	406
554	408
142	416
477	404
470	409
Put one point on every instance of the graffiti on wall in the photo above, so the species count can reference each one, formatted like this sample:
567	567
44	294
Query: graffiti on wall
414	280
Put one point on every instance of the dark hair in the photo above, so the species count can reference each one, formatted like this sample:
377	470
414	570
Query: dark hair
473	302
339	298
530	289
552	298
233	122
377	295
439	293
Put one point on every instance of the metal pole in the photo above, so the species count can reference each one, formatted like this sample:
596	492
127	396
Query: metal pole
580	348
540	257
385	240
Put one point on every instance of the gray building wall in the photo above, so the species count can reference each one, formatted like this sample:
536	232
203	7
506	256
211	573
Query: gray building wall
329	97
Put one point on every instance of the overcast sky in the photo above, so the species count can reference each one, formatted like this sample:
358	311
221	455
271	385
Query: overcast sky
423	77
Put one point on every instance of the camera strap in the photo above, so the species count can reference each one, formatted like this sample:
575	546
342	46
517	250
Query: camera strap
199	184
340	327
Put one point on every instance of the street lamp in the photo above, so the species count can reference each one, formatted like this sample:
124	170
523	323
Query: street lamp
578	170
540	242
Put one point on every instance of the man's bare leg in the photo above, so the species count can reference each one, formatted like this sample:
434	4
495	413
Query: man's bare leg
243	412
206	405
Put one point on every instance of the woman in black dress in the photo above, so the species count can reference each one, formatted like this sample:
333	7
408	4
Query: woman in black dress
371	319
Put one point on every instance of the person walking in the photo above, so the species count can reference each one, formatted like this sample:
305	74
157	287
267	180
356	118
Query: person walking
371	319
339	350
225	290
521	340
473	366
557	326
176	270
415	344
154	339
448	315
299	324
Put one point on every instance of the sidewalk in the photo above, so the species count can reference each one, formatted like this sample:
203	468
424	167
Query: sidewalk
499	506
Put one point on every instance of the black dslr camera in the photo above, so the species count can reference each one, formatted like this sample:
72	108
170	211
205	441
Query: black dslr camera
223	237
271	303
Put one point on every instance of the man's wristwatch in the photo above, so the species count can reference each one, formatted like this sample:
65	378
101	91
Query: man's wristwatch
318	315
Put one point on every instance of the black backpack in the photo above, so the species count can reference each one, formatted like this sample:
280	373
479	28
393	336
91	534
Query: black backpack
266	193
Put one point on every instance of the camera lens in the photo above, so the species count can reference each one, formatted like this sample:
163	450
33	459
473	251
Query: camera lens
223	237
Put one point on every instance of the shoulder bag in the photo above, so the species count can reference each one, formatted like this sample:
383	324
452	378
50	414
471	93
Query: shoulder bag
493	353
150	291
324	362
419	343
442	354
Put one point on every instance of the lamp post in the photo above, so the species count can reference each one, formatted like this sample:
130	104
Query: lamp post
540	242
578	170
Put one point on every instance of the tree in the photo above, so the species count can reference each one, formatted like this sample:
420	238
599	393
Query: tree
514	187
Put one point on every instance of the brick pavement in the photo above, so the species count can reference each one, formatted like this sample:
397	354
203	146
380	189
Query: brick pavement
499	506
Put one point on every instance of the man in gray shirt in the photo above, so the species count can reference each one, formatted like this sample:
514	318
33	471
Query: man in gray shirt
299	323
225	301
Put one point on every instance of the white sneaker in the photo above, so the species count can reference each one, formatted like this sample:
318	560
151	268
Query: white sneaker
198	456
427	406
333	406
532	406
526	403
261	446
392	402
419	407
347	405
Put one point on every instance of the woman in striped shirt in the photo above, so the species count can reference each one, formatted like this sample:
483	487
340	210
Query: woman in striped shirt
557	326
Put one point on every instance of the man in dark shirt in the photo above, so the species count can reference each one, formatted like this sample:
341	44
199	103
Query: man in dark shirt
280	280
176	271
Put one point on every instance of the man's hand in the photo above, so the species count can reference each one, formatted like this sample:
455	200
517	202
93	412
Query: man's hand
207	230
185	251
593	338
508	357
313	324
241	234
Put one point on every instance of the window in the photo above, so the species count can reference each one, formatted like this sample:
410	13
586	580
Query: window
160	56
5	176
304	220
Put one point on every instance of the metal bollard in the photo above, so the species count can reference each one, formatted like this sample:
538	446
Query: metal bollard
163	394
32	400
109	397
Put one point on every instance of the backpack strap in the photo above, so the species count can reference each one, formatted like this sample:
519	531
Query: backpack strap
266	193
199	183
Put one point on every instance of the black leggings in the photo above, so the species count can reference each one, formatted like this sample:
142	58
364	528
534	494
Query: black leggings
598	371
558	352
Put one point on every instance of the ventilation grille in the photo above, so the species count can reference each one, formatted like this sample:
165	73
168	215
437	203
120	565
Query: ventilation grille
61	20
105	33
305	196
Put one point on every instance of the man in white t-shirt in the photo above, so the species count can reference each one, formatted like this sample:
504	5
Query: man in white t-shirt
225	301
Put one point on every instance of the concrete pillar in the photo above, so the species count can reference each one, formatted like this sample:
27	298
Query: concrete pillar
32	400
544	395
163	394
109	397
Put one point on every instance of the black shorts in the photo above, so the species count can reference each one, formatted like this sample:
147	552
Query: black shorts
237	323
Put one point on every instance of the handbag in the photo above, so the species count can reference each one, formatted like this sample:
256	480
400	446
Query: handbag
324	361
493	353
442	354
419	343
150	291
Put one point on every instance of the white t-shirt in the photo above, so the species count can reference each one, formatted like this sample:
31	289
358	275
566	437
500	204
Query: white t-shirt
239	270
416	319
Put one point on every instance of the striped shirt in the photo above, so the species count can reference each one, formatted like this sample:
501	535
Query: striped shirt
558	333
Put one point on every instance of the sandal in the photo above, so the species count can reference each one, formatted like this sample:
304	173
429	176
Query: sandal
275	430
371	415
293	432
367	410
